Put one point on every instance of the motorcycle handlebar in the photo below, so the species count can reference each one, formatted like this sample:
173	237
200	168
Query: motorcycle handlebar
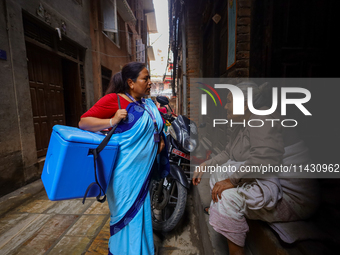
174	114
167	116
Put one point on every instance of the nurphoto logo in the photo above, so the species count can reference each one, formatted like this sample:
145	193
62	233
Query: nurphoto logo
239	102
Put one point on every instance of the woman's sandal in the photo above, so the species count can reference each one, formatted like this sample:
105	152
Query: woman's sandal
207	210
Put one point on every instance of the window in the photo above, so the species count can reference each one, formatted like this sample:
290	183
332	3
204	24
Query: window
129	41
114	36
140	51
110	20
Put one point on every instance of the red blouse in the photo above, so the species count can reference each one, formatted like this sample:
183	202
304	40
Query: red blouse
106	107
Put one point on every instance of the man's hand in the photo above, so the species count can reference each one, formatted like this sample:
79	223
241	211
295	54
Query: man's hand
219	188
196	179
161	145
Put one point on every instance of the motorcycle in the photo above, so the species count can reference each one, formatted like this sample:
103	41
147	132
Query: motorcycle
169	195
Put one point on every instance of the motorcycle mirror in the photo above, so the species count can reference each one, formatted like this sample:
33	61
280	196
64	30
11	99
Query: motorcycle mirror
162	100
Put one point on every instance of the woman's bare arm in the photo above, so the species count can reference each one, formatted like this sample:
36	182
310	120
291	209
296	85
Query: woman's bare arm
96	124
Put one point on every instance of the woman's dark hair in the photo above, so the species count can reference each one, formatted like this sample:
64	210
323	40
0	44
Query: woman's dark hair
118	82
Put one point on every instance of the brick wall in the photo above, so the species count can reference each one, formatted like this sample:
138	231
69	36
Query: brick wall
104	51
193	19
194	53
241	67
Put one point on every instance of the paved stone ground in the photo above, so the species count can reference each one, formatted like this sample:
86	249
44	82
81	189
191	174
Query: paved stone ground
185	239
40	226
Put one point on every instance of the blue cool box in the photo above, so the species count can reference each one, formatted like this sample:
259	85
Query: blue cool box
69	169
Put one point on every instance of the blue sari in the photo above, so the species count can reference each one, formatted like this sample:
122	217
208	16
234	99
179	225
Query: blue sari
127	194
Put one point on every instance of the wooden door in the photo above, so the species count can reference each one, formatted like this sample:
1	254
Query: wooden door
47	97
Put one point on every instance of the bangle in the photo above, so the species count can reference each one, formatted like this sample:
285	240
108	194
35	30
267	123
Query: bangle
111	122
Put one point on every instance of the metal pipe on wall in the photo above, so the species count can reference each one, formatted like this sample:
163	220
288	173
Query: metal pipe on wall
184	64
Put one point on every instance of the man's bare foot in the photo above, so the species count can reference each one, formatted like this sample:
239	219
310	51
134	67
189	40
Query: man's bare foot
207	210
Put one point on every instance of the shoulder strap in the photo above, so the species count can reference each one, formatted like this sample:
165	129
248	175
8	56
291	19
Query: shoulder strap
102	145
118	102
95	153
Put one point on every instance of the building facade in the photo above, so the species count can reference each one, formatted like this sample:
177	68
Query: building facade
56	60
46	72
118	41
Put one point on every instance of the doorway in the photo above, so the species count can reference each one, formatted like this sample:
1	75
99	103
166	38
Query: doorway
47	95
72	92
56	95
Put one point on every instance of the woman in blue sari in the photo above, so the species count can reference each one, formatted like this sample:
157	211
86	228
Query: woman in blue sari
140	140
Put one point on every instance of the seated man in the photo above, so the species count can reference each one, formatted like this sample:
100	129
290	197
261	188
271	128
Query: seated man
235	198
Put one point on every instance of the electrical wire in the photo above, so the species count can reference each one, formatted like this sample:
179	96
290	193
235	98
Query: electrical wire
112	56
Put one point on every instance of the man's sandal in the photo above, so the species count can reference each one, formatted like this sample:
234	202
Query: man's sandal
207	210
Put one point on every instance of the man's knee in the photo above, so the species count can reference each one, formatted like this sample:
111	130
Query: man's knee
231	204
232	197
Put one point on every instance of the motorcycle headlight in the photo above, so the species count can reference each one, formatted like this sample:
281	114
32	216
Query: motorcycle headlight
172	132
189	144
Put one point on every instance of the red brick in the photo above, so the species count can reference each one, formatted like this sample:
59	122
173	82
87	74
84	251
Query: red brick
244	46
193	44
244	12
242	63
243	29
243	38
232	73
192	49
244	3
242	55
193	37
242	72
192	31
192	53
243	21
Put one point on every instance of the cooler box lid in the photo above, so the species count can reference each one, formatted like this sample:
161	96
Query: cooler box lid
77	135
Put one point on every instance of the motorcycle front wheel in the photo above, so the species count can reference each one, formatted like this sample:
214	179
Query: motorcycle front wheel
168	208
